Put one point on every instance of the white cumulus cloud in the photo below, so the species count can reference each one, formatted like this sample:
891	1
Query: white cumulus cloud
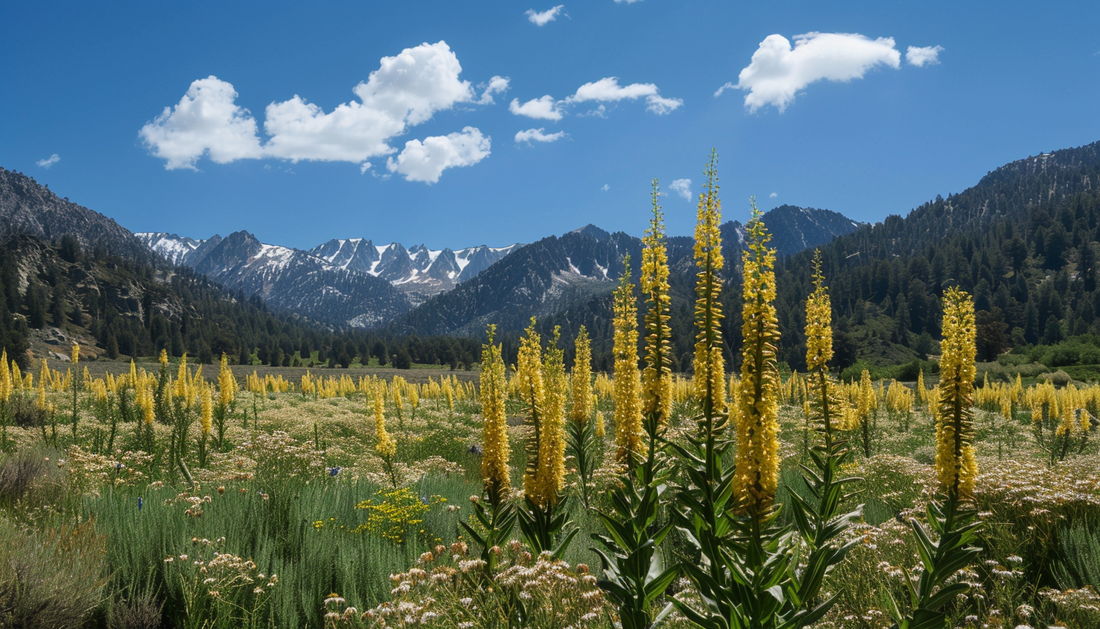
207	120
773	195
425	161
921	56
605	187
49	161
626	1
778	72
661	105
538	135
608	90
544	108
496	85
542	18
605	90
681	187
406	90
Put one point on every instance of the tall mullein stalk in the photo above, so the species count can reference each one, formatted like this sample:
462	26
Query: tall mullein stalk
384	443
7	386
951	516
704	498
227	394
544	522
582	434
627	384
206	416
760	563
866	410
634	575
819	521
493	509
75	383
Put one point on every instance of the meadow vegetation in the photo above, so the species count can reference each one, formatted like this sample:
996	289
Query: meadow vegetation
546	495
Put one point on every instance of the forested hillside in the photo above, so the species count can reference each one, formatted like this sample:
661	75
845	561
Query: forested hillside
1023	241
132	308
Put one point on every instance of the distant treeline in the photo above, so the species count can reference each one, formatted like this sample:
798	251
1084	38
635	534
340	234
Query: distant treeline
136	309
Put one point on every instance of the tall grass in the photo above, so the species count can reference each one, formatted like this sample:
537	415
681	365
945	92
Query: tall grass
316	546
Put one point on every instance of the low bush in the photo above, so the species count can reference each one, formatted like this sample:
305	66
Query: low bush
50	579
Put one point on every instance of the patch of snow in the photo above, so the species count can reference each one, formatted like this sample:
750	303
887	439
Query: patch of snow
572	268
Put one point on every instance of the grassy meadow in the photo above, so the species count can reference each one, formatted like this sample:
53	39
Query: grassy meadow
294	515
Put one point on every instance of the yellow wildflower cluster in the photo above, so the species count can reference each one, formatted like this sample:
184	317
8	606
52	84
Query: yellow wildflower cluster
627	381
6	386
227	384
206	415
581	379
757	472
657	376
956	467
396	514
866	400
603	386
327	387
43	378
825	408
551	472
530	387
495	450
385	445
710	370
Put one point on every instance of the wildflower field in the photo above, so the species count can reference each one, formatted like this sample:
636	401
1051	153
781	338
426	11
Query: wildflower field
543	495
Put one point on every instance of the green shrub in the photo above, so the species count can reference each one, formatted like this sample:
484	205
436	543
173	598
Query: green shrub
18	474
1084	373
1058	378
1078	563
49	579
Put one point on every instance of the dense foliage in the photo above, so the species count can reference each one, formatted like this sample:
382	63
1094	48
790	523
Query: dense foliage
1023	242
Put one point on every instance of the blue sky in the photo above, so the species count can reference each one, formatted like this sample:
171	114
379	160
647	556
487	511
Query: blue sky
296	141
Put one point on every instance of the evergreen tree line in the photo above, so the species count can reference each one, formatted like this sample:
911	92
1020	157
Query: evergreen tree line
134	309
1033	277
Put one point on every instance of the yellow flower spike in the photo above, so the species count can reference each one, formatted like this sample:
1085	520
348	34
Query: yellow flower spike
955	464
530	387
551	473
17	382
627	381
207	413
227	384
6	386
43	378
385	446
866	400
826	410
757	473
495	449
581	379
657	376
74	354
163	359
709	366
